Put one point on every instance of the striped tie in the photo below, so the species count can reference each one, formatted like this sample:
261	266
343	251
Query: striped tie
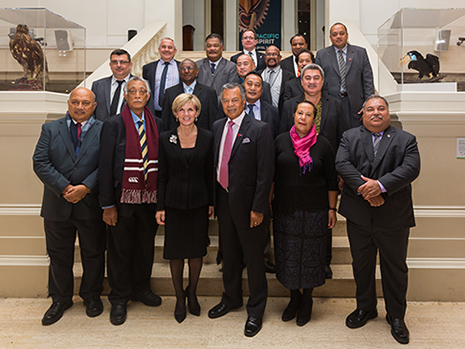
143	146
342	70
376	142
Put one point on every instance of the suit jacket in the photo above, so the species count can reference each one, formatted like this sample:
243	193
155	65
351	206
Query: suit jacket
359	76
288	64
266	91
208	100
285	77
148	73
292	88
102	90
183	185
111	163
56	166
332	118
396	165
261	60
251	168
225	72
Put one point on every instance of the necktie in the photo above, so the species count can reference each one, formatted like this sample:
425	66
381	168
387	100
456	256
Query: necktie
213	68
224	169
251	113
79	129
271	77
115	100
143	146
79	141
342	70
253	59
376	142
161	95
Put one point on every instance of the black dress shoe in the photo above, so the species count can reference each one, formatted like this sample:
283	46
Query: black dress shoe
180	310
55	312
118	314
192	303
398	329
148	298
359	318
328	272
270	268
94	306
221	309
252	326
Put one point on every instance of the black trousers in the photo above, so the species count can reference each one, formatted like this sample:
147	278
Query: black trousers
60	238
351	120
239	245
392	246
130	253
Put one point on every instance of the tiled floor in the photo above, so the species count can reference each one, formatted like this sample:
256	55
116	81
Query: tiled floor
431	325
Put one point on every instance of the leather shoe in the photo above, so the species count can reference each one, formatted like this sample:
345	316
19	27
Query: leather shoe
55	312
398	329
270	268
328	272
94	306
192	302
359	318
118	314
221	309
252	326
148	298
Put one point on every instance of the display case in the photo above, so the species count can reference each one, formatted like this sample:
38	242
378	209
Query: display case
40	51
424	49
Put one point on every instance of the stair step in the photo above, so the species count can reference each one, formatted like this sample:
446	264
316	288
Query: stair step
211	283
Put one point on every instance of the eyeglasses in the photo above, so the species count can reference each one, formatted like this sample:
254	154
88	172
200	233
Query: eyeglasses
248	38
76	103
186	68
115	62
133	92
274	54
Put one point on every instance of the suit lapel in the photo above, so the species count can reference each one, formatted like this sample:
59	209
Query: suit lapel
198	144
219	67
367	144
87	141
324	112
350	55
386	140
106	94
66	136
217	139
263	112
240	135
178	150
333	60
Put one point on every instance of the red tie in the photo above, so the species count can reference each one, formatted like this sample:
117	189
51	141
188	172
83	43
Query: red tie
224	172
79	129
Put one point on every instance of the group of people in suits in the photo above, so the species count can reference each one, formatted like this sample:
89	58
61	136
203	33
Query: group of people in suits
109	162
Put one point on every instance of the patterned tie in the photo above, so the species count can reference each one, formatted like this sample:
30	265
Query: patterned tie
213	68
115	101
376	142
251	113
253	59
271	77
224	170
143	146
342	69
161	95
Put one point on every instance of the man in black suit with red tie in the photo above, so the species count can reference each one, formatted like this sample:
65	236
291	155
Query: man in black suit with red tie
244	163
378	163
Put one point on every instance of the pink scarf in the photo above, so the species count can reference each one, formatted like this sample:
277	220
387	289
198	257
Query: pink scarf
302	148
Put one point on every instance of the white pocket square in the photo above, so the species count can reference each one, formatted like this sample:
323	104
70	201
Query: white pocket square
246	140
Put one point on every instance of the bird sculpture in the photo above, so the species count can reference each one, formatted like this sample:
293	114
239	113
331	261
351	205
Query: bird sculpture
27	52
428	66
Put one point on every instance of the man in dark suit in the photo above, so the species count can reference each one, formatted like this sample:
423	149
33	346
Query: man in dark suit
215	71
293	87
128	181
274	75
249	43
245	65
348	74
109	91
66	161
161	75
378	163
188	72
243	157
299	42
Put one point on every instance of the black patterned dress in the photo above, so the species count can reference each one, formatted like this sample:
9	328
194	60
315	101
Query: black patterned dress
300	213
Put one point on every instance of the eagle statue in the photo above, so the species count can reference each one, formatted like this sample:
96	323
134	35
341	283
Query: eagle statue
27	52
428	66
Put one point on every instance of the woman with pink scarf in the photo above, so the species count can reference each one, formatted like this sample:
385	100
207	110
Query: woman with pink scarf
304	208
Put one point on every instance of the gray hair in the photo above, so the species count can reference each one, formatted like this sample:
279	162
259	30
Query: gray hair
232	86
136	78
313	66
375	96
167	38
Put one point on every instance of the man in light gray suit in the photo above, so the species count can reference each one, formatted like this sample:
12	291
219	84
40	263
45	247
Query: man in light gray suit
348	73
109	91
66	161
215	71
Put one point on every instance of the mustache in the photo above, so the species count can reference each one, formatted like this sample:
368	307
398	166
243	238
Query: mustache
376	116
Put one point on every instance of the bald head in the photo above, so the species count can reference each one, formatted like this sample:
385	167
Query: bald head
81	104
